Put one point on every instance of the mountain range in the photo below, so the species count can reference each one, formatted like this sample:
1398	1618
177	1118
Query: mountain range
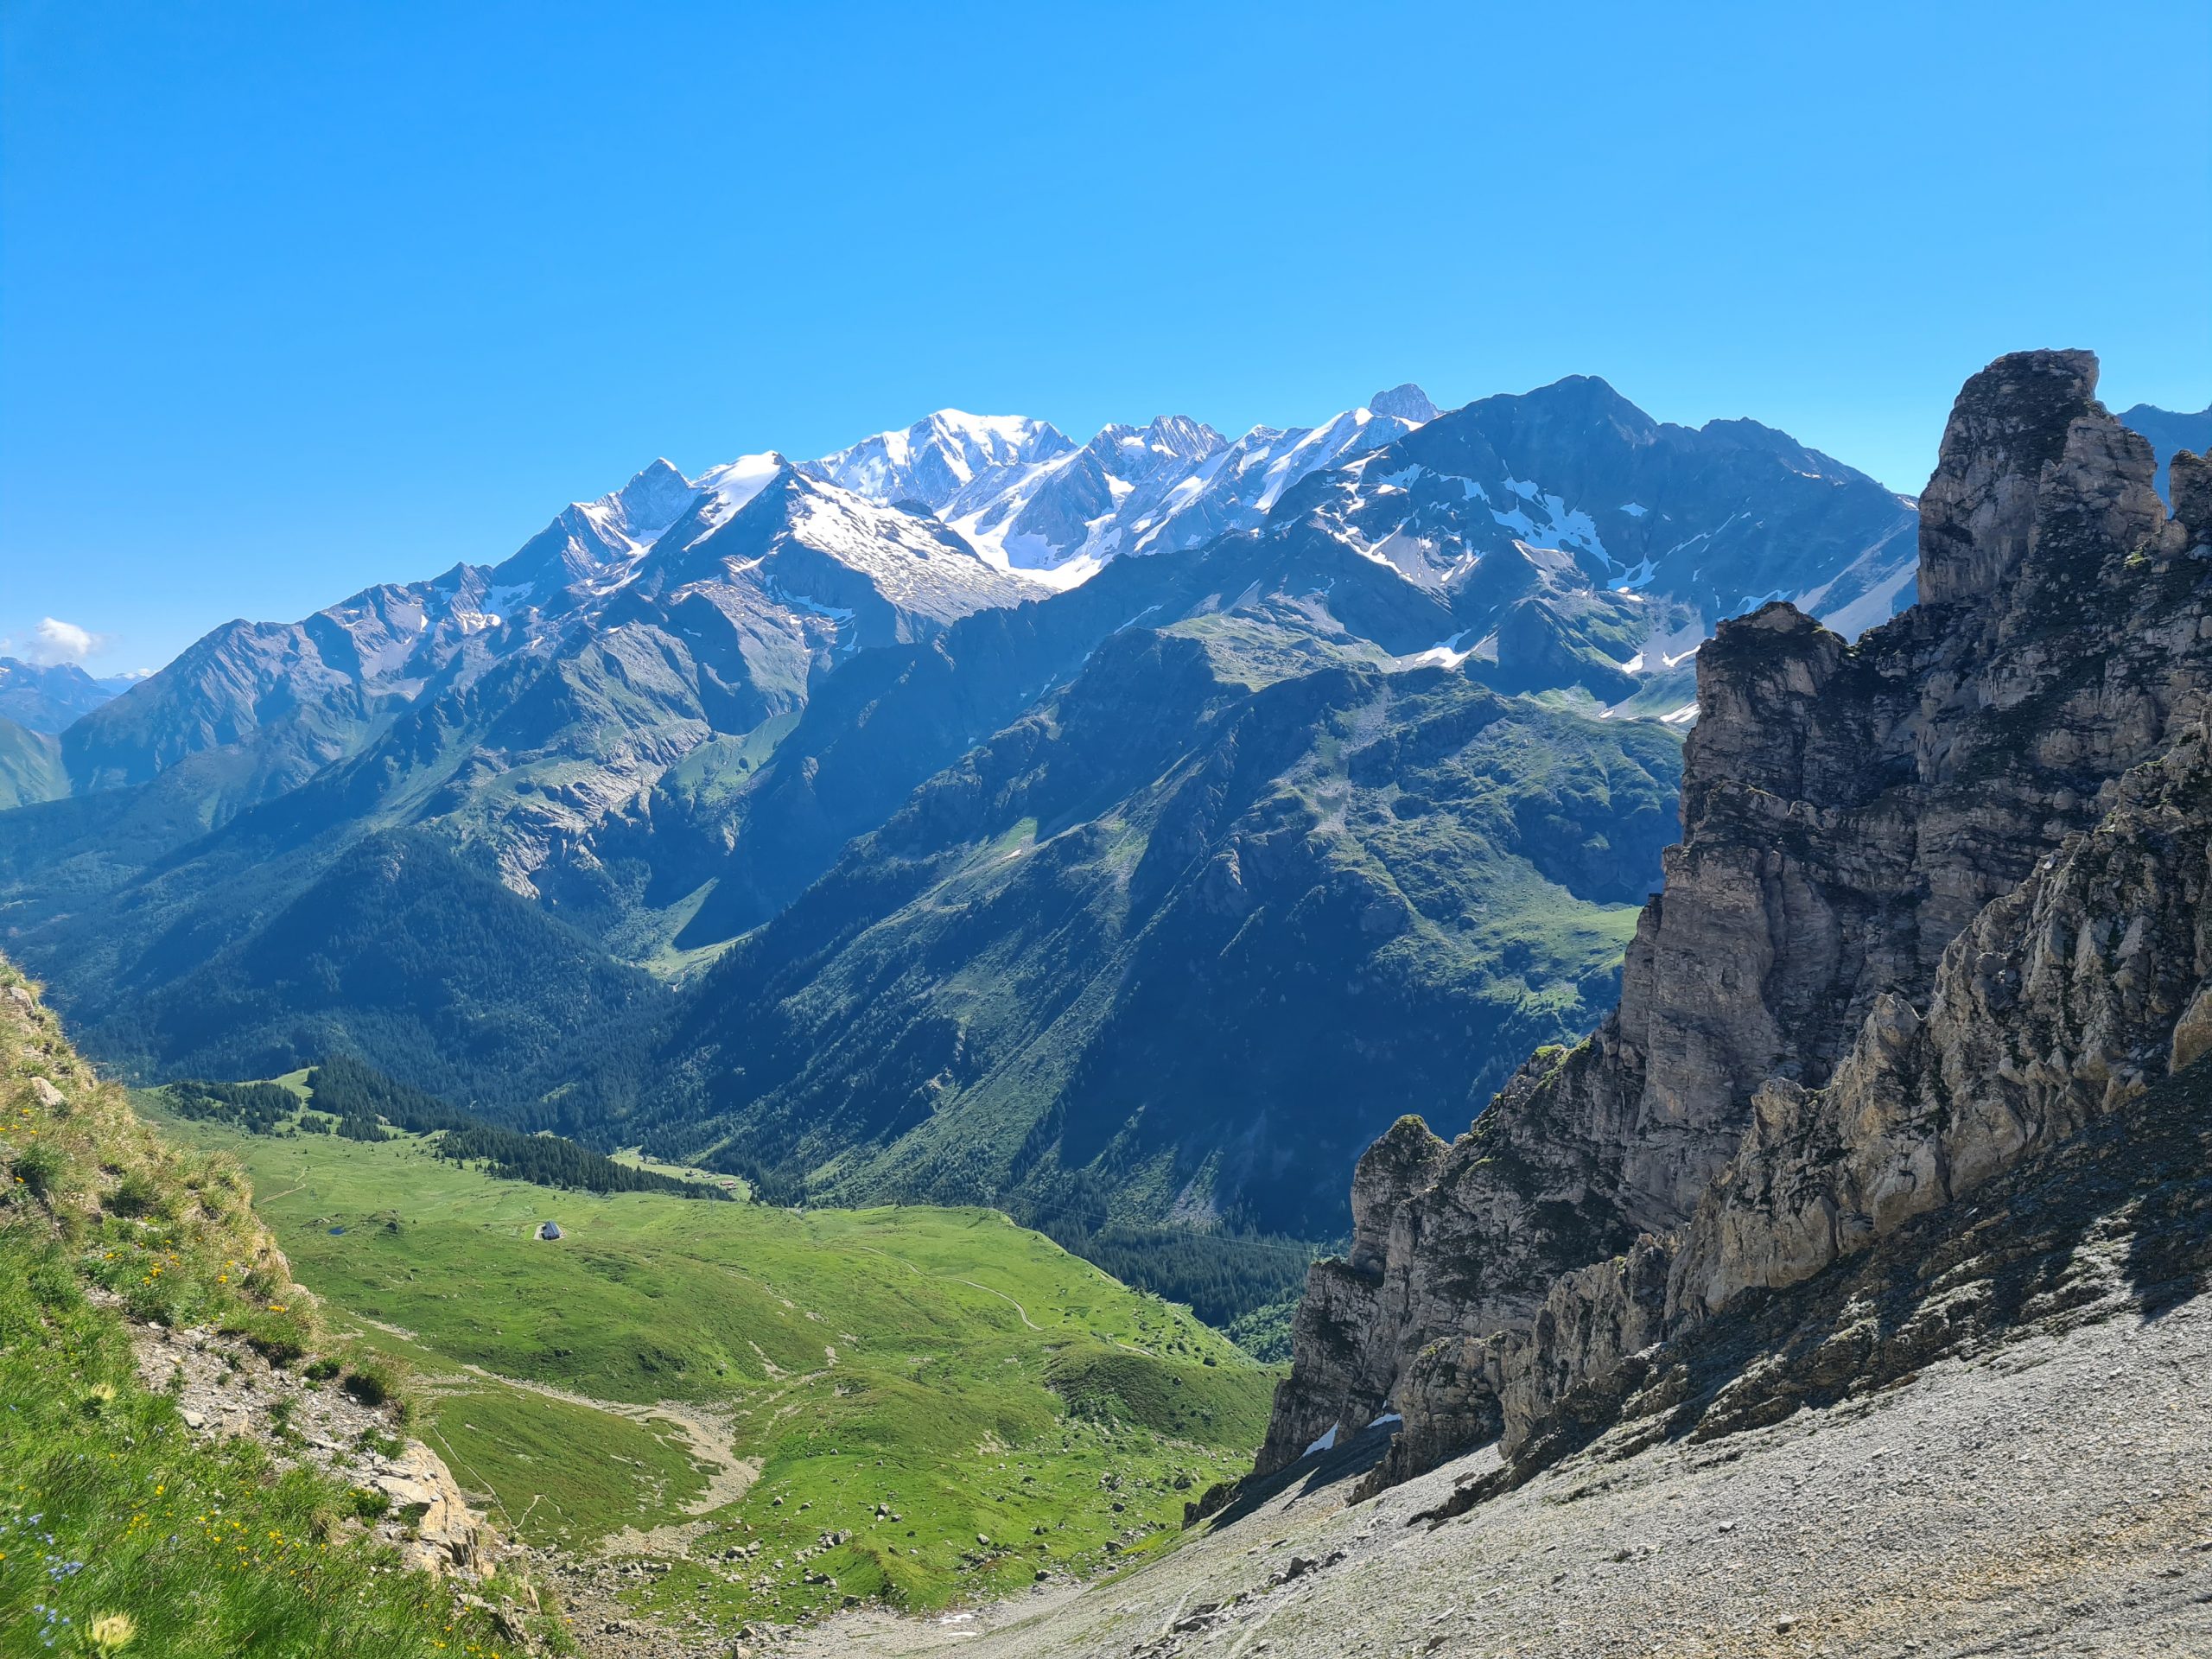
1124	830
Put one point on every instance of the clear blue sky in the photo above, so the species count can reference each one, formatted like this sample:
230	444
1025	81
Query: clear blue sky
300	296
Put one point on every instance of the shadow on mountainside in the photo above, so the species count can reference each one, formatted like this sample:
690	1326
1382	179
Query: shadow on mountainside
2115	1223
1312	1475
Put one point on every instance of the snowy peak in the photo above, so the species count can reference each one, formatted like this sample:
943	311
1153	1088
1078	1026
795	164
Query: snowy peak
587	538
1238	490
1700	524
941	457
724	490
1036	505
651	501
1176	442
838	568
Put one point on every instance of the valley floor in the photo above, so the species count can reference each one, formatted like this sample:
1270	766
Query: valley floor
2049	1498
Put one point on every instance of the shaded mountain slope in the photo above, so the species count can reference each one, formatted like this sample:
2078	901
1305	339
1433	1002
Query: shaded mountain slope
1107	962
402	953
30	766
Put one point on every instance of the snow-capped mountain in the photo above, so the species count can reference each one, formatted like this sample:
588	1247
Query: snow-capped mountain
587	540
1237	490
941	456
1032	502
1651	533
825	554
1564	529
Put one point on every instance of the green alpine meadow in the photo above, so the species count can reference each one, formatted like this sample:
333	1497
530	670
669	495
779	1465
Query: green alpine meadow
704	1378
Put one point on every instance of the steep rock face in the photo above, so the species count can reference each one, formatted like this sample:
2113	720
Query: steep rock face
1847	812
2059	1004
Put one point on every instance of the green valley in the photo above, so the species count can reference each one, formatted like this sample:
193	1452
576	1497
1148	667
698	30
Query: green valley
787	1410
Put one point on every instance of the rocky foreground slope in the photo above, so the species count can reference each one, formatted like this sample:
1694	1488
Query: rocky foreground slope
1985	1434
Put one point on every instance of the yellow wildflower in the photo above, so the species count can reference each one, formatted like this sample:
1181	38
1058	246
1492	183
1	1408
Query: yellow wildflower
112	1631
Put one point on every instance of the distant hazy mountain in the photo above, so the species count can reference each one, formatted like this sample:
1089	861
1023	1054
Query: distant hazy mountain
1183	693
46	698
2168	431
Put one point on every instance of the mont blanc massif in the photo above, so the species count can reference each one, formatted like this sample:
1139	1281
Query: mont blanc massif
1505	1030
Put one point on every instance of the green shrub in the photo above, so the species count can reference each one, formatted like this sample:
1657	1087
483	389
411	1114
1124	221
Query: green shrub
56	1287
138	1195
40	1169
155	1301
368	1505
279	1334
379	1380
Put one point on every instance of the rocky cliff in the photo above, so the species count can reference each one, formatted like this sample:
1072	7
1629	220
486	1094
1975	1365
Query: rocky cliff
1938	902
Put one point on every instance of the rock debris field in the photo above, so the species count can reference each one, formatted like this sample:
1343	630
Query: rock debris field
2050	1500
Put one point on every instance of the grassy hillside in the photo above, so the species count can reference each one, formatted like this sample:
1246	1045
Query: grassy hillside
956	1402
30	765
115	1523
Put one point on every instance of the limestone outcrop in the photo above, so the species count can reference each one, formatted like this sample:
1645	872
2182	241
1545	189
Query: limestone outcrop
227	1391
1938	902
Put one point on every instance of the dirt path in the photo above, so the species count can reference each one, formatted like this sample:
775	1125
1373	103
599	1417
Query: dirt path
1004	1297
706	1442
986	1289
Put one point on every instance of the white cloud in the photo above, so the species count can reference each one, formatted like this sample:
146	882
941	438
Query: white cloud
55	641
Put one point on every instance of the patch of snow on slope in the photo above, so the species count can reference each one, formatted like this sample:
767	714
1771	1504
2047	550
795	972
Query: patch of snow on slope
734	483
1445	653
1871	609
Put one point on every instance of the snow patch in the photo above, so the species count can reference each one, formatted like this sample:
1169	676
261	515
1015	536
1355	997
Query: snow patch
1445	653
734	483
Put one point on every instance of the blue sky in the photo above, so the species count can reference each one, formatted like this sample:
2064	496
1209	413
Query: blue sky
294	297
